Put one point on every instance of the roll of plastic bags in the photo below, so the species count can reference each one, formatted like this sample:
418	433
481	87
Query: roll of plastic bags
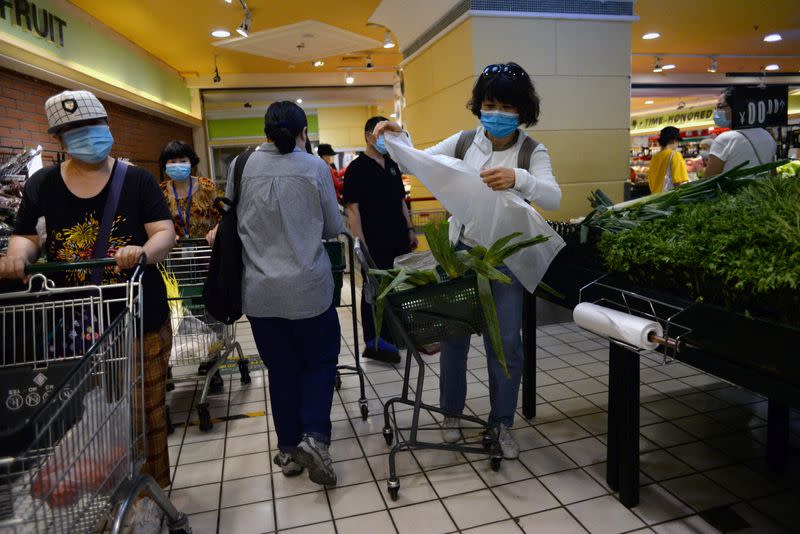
619	325
487	215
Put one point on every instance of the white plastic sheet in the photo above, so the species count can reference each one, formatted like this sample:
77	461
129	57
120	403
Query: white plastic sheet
487	215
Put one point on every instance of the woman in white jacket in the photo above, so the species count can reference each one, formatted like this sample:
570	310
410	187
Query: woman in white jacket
503	98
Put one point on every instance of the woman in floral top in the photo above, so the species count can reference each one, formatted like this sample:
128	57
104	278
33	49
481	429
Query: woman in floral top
190	199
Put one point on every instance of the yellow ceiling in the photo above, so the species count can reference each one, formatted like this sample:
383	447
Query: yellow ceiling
179	31
717	27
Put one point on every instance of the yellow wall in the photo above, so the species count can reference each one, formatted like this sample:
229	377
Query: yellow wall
581	71
343	127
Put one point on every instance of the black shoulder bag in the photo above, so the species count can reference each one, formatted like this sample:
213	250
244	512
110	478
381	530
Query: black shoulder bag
222	291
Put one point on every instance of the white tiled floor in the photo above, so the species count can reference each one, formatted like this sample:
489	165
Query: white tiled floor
702	441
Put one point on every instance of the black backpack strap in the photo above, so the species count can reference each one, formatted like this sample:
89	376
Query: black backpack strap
238	169
526	152
464	141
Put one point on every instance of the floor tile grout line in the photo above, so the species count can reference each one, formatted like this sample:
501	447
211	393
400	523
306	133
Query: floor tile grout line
369	466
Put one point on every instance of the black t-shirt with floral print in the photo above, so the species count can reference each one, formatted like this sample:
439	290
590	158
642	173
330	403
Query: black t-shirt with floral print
72	225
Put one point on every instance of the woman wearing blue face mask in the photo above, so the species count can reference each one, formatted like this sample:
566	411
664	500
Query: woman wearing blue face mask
734	147
503	99
190	198
73	198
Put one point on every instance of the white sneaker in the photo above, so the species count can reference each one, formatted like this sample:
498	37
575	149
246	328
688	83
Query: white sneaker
146	517
451	430
509	447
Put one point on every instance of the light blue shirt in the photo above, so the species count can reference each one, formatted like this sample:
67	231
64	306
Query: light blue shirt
287	207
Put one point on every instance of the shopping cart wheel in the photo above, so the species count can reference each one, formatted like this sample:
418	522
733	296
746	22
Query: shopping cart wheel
338	382
364	412
205	418
216	385
170	381
394	488
388	435
487	440
495	462
244	371
170	426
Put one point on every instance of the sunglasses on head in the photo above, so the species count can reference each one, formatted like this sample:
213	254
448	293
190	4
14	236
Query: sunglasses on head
510	71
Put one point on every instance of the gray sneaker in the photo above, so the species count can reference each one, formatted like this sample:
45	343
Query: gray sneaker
509	447
314	456
451	430
288	466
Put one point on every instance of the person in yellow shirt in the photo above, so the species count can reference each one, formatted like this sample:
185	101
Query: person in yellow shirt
667	168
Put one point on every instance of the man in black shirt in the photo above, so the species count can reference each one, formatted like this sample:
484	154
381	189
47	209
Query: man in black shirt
376	208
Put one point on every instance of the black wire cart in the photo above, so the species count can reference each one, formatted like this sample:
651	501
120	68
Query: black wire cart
418	317
335	249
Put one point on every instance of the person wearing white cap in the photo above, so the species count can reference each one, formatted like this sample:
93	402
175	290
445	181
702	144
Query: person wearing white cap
95	206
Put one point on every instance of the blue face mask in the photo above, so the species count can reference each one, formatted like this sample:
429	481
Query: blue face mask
90	144
499	123
178	171
721	118
380	145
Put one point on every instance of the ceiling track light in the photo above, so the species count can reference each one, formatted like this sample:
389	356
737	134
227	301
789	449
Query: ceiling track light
713	66
388	42
348	78
318	63
657	66
773	38
217	78
244	27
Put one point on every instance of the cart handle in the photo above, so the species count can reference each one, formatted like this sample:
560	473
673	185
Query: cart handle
54	267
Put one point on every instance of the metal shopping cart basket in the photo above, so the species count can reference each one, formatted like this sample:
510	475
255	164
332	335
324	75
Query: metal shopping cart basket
417	317
200	344
72	436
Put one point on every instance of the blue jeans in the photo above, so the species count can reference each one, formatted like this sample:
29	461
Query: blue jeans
503	391
301	357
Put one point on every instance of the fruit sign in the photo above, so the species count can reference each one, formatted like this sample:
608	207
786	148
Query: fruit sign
756	107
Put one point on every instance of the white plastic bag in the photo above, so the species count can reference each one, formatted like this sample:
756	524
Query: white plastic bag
192	339
416	260
487	215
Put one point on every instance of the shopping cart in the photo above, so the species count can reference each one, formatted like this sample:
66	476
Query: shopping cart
335	249
417	317
72	440
419	218
200	344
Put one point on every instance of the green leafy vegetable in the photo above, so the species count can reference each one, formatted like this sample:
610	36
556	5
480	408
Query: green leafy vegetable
455	263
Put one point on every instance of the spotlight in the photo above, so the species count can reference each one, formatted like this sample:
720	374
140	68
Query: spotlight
388	42
369	64
773	38
217	78
651	35
318	63
668	66
348	79
299	101
228	1
220	34
773	66
244	27
657	67
649	102
713	67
